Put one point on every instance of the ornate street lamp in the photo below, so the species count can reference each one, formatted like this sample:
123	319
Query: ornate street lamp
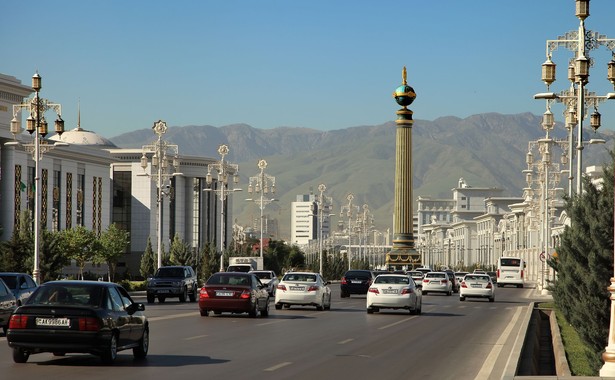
262	184
164	154
224	170
37	125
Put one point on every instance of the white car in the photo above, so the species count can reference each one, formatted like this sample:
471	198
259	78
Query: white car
268	278
417	276
437	282
477	285
303	289
394	291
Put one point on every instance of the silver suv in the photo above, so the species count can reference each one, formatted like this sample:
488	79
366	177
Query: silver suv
172	281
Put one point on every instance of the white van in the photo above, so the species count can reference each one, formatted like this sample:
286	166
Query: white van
510	271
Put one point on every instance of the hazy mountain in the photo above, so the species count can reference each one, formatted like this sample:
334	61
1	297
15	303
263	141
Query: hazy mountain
487	150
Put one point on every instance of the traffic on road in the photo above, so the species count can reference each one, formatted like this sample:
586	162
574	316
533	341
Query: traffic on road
304	342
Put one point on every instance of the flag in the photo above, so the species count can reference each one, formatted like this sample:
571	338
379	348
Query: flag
22	186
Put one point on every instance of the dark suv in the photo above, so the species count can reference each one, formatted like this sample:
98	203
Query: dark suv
356	281
172	281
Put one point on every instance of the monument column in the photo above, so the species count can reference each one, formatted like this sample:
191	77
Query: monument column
403	251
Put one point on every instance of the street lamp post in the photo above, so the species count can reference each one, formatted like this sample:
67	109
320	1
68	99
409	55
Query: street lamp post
162	151
36	123
262	184
223	169
349	208
324	204
577	98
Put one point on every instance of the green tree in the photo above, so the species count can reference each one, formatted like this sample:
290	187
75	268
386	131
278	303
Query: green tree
113	245
52	259
209	263
16	253
81	245
584	264
148	262
180	252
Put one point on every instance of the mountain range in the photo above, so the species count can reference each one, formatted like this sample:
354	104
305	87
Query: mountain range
487	150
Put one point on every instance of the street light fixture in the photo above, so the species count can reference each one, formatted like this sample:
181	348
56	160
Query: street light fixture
37	125
224	170
324	204
577	99
349	209
262	184
162	152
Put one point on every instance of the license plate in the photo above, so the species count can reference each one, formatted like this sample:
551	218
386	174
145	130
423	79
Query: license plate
224	294
355	282
163	291
477	286
53	322
389	291
297	288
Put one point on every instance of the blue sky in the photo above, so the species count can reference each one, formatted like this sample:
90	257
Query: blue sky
320	64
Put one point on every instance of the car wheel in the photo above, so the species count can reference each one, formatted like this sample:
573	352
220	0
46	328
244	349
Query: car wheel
265	312
321	307
150	298
184	295
20	355
140	351
499	285
420	309
204	313
286	306
425	293
252	313
328	306
217	312
278	306
344	295
449	293
461	298
370	310
161	299
4	329
110	353
193	295
491	299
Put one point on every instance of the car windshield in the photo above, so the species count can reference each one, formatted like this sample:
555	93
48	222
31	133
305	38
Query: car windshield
300	277
470	277
170	272
416	274
263	275
68	294
392	280
358	274
435	275
228	279
10	281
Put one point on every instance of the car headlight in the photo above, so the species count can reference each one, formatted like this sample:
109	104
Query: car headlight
177	283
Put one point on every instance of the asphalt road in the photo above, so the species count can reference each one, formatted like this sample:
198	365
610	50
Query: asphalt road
450	340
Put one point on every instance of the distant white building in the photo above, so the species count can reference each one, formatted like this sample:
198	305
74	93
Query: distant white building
305	220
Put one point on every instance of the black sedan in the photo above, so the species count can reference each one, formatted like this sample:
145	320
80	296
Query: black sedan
234	292
92	317
8	303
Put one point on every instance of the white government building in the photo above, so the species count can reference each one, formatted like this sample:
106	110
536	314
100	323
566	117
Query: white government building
93	183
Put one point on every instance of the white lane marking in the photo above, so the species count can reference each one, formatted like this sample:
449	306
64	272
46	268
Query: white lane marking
489	363
345	341
396	323
278	366
191	314
196	337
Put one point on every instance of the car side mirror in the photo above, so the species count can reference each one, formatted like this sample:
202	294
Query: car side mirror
134	307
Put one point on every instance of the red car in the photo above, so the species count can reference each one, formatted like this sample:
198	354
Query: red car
234	292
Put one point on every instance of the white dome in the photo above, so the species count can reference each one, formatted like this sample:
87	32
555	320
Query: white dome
80	136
